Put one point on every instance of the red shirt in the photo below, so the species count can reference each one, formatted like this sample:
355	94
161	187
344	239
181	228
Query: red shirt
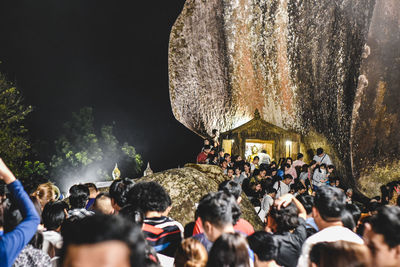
202	157
242	226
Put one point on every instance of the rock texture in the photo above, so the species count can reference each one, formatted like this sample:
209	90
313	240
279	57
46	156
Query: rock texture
187	185
298	62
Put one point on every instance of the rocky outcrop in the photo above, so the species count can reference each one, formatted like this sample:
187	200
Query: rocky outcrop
187	185
298	63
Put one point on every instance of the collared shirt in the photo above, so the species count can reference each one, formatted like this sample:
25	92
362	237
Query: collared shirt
330	234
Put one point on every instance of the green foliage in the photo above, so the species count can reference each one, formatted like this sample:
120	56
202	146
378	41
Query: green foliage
81	151
14	146
33	174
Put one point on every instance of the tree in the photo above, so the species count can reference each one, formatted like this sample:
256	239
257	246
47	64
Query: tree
14	145
84	154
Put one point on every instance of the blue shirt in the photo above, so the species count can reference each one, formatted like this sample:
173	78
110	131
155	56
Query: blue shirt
12	243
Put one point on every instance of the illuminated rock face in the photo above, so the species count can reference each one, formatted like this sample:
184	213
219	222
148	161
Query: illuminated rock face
297	62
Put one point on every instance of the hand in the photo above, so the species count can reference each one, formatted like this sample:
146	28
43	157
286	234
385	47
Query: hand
284	201
5	173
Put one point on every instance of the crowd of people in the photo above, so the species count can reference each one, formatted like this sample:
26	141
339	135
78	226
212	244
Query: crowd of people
309	219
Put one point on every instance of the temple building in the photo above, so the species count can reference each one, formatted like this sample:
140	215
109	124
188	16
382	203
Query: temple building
256	135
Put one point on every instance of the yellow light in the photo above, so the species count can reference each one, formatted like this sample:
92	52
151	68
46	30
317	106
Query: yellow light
289	143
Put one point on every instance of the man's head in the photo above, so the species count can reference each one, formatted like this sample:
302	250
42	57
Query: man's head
118	192
230	172
308	202
92	190
103	204
263	173
102	240
256	159
320	151
149	196
224	164
272	192
78	196
227	157
231	187
54	214
207	149
216	213
329	203
300	156
349	192
287	179
264	245
382	236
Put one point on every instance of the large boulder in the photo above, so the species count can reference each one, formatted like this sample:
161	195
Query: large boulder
328	69
187	185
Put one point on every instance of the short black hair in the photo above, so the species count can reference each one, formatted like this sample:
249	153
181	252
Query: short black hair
271	190
216	208
231	187
286	218
207	147
78	196
101	228
300	155
53	214
387	223
288	176
92	185
264	245
214	131
230	249
330	202
320	151
347	220
149	196
355	212
133	213
119	190
256	157
307	201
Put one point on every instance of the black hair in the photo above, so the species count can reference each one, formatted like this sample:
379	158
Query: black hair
330	202
149	196
247	164
288	176
217	208
264	245
331	166
300	155
214	131
119	190
347	220
92	185
226	155
78	196
320	151
230	168
271	190
373	206
355	212
101	228
307	201
387	223
133	213
206	147
53	214
304	168
256	157
231	187
286	218
286	165
322	165
229	250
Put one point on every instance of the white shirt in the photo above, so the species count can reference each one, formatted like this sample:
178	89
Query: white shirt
330	234
266	204
264	158
324	159
282	189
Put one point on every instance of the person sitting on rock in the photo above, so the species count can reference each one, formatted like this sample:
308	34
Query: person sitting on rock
162	233
202	157
322	158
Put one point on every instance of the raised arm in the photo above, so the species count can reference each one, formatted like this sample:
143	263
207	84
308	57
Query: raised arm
286	199
13	242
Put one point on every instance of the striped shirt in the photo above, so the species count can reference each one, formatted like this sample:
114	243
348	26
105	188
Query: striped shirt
163	234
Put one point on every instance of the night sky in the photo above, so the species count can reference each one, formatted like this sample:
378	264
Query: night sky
110	55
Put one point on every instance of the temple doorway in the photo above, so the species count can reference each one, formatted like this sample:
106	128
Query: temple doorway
255	146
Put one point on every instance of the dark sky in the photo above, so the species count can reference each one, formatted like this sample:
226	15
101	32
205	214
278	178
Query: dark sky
110	55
